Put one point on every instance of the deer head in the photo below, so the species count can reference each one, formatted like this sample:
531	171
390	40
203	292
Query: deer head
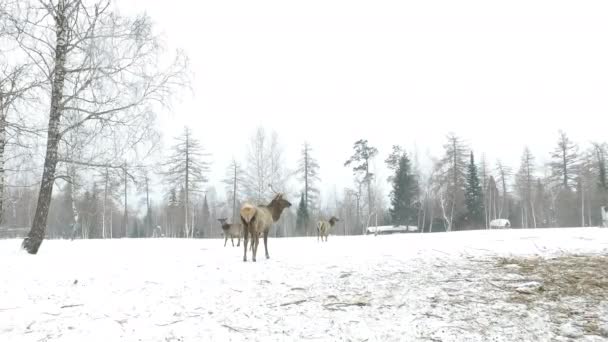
277	205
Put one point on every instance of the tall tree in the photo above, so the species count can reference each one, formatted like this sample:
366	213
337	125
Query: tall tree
564	165
405	189
233	180
565	160
186	167
205	215
504	174
525	182
264	167
99	66
302	217
452	170
308	171
360	161
491	201
474	195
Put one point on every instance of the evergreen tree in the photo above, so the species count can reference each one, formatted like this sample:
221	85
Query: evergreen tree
565	161
474	195
451	181
206	214
303	217
405	188
308	171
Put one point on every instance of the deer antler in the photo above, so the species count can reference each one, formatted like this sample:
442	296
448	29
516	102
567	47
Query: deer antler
272	189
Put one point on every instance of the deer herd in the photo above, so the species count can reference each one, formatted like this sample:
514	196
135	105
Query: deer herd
256	221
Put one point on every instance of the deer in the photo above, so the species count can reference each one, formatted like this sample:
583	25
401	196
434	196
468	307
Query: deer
323	227
257	219
231	230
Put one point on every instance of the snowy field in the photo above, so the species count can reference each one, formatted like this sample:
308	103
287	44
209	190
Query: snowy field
507	285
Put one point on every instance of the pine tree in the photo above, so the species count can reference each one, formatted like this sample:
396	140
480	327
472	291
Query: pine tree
474	195
206	214
405	188
303	217
187	167
565	160
308	171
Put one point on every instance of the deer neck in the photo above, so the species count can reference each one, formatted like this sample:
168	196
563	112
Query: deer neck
275	211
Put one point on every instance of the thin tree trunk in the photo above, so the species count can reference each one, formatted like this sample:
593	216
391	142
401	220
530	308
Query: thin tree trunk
533	213
187	188
582	204
306	188
105	205
126	213
34	238
148	208
2	145
234	195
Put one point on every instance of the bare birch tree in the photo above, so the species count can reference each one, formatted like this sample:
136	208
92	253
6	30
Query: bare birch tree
264	166
103	68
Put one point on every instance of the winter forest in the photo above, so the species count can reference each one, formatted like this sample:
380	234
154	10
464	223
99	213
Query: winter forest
415	171
80	88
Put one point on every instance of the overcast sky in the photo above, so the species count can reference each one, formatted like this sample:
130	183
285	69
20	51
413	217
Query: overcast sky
499	74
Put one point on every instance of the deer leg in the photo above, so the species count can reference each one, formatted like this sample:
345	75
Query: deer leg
232	240
225	240
255	239
245	233
238	243
266	244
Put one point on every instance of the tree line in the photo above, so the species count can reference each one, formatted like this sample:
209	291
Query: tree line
80	86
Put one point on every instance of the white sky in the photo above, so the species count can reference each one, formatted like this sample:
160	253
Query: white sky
499	74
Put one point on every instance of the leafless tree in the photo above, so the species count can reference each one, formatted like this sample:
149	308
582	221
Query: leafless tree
186	167
234	179
101	68
264	166
525	181
504	173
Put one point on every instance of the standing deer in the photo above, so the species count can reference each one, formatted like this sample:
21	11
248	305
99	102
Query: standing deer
233	230
258	219
323	227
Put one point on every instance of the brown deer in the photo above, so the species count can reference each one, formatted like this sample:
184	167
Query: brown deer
323	227
258	219
231	230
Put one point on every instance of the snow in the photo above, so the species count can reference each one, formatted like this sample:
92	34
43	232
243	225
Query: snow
402	287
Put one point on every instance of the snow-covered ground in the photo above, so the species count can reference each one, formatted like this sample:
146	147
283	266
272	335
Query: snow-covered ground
459	286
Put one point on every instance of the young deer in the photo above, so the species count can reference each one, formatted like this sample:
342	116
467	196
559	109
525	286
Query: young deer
233	230
323	227
258	219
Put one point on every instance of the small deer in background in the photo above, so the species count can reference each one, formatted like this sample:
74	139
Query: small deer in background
231	230
323	227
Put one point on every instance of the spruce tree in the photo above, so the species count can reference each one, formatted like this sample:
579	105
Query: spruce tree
302	216
474	195
404	188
